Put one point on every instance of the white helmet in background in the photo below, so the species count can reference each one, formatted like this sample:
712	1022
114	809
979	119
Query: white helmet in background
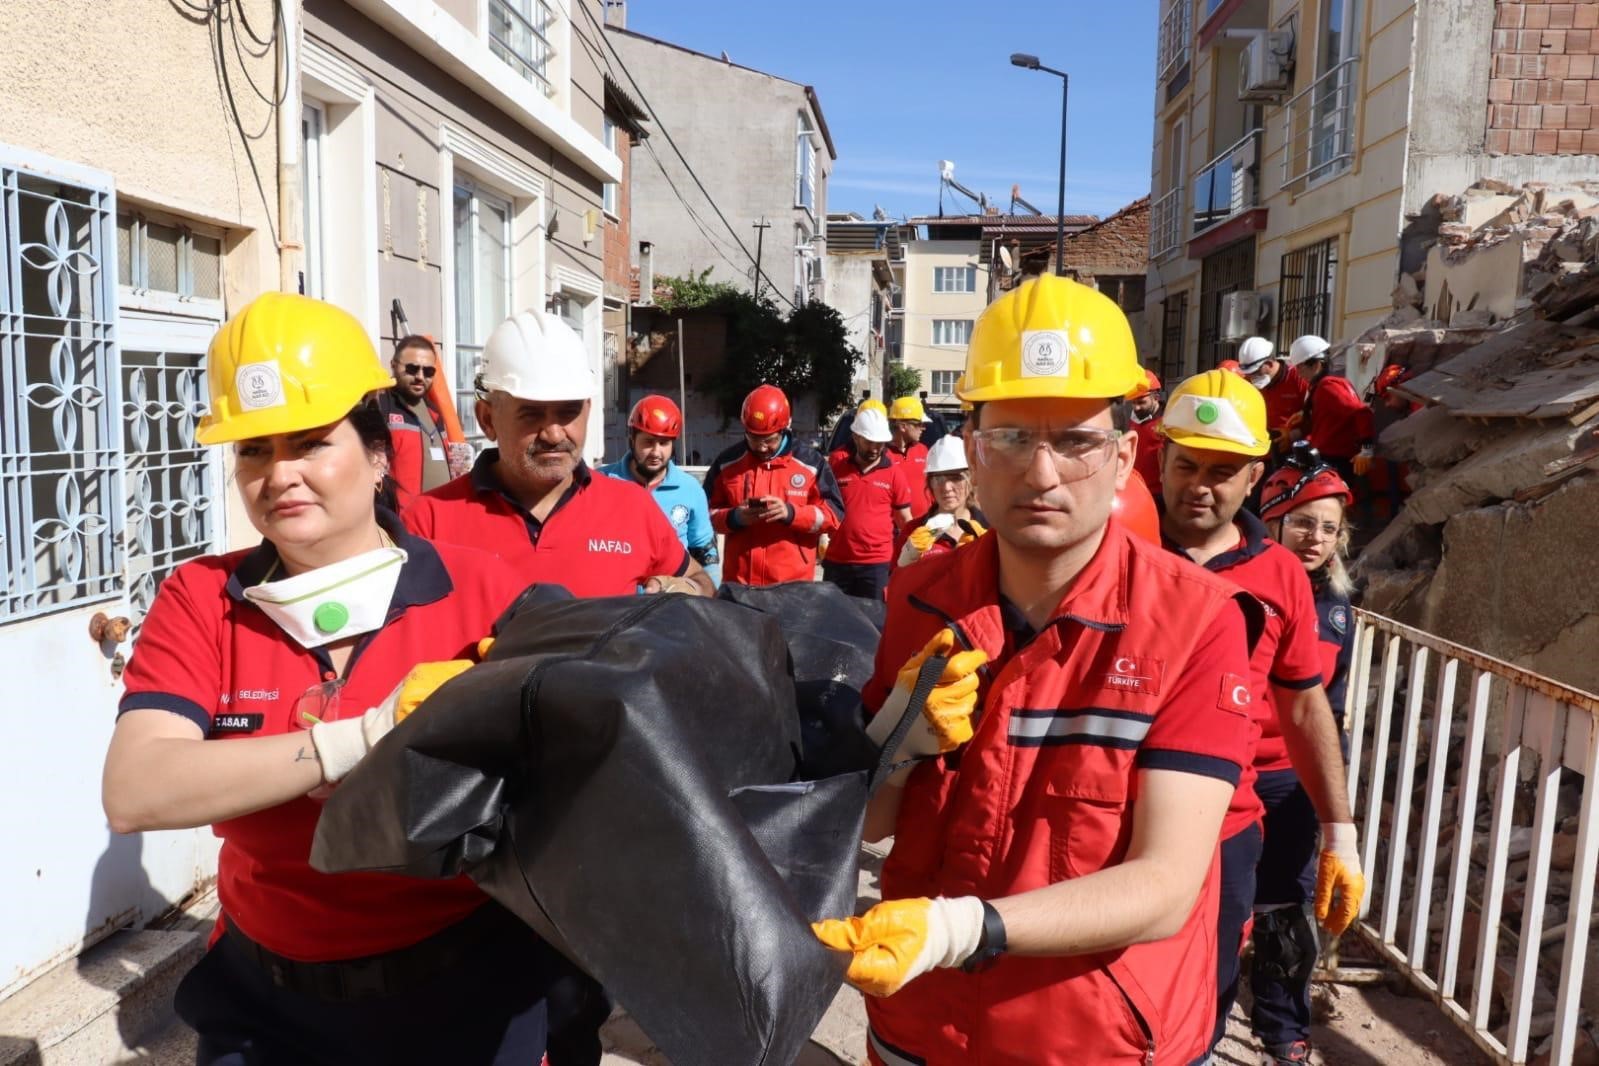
871	424
1253	354
1307	348
534	355
946	456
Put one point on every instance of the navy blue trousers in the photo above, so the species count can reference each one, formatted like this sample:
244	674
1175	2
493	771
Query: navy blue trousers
1240	853
488	1011
866	580
1286	874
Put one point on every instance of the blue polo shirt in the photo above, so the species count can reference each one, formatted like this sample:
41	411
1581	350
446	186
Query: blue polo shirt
682	499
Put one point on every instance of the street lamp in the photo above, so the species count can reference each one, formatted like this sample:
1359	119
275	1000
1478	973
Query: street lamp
1028	62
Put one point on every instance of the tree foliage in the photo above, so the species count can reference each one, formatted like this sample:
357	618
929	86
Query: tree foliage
903	381
805	352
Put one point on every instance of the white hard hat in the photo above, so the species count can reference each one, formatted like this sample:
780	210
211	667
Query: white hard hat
1307	348
1254	353
947	455
533	355
871	424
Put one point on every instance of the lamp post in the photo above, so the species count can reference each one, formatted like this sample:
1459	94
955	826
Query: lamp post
1030	62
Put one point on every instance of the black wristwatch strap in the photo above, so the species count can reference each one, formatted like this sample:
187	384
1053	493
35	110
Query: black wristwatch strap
992	943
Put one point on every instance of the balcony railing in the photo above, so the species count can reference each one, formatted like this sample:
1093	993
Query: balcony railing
1176	31
1319	126
519	33
1229	184
1166	223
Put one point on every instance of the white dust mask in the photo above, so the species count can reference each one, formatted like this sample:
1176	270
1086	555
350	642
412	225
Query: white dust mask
343	599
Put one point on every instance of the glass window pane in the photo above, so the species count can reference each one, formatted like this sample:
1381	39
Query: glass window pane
466	331
161	250
493	279
205	264
125	249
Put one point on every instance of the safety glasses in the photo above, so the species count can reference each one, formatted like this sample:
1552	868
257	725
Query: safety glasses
1077	453
1309	528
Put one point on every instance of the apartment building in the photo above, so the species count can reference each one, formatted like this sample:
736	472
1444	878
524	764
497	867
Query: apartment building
1292	138
864	278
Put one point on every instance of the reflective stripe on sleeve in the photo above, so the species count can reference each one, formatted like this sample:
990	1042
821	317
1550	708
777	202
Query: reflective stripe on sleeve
1087	725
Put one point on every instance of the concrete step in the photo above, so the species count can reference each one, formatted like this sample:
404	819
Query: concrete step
107	1004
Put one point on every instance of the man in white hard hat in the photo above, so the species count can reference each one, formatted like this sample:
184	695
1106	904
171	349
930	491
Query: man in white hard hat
1338	423
1279	383
532	500
860	550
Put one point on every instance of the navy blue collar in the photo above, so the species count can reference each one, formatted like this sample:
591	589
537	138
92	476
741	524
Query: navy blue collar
1255	541
423	578
484	479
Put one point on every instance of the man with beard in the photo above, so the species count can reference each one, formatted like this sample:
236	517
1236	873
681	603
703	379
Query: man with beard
416	428
532	500
1216	438
652	430
1144	413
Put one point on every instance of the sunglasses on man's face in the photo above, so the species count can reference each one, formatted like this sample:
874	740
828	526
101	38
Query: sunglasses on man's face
420	371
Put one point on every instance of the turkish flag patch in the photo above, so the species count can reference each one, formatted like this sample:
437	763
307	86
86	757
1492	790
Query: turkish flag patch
1135	674
1236	695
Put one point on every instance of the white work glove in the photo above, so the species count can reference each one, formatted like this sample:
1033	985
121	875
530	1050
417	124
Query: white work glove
1340	885
900	939
946	720
343	743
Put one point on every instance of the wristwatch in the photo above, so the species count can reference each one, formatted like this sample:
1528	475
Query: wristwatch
991	945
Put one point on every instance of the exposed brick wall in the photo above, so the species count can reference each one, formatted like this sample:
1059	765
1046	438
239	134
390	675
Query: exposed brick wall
1543	98
618	235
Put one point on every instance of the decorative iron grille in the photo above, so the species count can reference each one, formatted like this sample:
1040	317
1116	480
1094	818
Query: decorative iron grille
1174	324
1230	270
1306	294
60	471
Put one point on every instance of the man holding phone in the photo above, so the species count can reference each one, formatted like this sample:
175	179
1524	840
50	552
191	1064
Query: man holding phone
771	497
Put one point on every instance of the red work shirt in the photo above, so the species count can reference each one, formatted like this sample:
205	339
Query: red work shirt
211	656
1285	397
1286	656
1045	791
1338	422
604	537
870	496
768	553
1147	463
913	472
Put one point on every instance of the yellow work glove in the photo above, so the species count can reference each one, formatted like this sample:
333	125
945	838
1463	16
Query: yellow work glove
1339	883
946	721
1361	464
968	530
343	743
916	545
900	939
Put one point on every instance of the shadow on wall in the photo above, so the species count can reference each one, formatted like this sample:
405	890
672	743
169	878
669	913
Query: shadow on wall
120	896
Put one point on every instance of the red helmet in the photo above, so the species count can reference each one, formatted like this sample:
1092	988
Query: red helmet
1303	478
1134	508
1150	384
1387	378
657	415
765	411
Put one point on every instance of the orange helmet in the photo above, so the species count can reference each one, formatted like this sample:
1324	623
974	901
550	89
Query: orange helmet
766	411
657	415
1230	365
1387	378
1302	478
1134	507
1151	383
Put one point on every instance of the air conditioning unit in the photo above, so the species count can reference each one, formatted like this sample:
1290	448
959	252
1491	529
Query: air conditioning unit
1266	66
1242	314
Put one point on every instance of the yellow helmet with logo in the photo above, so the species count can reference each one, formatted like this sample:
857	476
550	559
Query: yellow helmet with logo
1220	411
286	363
872	403
907	409
1051	337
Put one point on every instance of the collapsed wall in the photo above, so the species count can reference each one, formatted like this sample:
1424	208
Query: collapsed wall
1497	547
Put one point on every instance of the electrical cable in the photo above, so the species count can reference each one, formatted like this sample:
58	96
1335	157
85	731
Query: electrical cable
219	56
277	13
244	64
661	128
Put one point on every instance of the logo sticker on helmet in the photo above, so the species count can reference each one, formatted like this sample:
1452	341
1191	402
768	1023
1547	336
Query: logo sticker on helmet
258	386
1045	353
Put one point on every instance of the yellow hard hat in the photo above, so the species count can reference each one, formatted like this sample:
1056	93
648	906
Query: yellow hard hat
871	403
907	409
1051	337
1217	410
286	363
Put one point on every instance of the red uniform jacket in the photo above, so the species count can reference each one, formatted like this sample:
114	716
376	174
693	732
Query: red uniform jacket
1285	397
1044	792
1148	461
913	472
409	440
768	553
1337	420
866	535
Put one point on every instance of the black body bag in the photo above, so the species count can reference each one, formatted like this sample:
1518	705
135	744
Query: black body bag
623	774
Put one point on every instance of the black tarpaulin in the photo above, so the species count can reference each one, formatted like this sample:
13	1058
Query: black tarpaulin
622	774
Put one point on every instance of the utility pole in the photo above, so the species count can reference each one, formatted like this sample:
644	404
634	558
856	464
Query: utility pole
760	239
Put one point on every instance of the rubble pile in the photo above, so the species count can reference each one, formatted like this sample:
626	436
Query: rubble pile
1496	546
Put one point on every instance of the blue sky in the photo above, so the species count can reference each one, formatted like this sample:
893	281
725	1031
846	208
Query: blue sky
905	84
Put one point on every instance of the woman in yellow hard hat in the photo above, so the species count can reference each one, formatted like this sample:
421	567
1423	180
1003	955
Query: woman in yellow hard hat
261	677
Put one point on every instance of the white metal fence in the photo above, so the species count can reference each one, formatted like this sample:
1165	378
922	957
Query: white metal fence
1472	786
1166	223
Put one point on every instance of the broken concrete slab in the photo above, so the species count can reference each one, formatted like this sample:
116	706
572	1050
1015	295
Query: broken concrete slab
1493	472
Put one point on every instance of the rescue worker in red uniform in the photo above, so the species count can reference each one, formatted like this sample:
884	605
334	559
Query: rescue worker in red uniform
339	621
772	497
908	419
1051	892
1144	413
1216	436
1337	422
1280	385
415	424
532	500
954	519
860	551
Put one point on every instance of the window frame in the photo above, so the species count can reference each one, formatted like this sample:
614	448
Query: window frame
967	275
463	388
952	377
805	167
961	326
313	193
134	295
610	191
540	75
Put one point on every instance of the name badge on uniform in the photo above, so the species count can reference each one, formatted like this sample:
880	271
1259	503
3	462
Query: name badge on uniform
224	724
436	454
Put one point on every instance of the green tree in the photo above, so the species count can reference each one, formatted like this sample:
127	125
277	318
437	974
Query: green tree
903	381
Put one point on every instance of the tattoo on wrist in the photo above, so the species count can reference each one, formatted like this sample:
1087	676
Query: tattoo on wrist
306	755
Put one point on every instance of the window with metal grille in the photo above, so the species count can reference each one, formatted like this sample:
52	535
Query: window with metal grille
60	462
804	166
519	33
944	382
955	279
164	257
951	332
1306	292
1174	324
1230	270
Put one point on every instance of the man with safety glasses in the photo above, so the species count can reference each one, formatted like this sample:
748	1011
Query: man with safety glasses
1051	892
415	425
1216	442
